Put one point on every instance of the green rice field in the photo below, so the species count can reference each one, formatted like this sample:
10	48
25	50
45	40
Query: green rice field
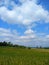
21	56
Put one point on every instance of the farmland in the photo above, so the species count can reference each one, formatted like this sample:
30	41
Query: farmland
23	56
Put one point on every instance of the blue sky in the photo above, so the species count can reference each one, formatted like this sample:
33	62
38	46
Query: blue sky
25	22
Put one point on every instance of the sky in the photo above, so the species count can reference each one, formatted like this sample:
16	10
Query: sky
25	22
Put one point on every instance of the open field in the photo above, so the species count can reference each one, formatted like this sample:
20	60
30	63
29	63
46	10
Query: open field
17	56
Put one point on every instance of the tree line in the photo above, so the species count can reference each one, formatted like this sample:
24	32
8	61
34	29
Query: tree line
9	44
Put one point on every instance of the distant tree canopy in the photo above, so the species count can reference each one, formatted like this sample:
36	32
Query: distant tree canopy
5	43
10	44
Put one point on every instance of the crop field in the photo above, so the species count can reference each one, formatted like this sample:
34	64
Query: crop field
18	56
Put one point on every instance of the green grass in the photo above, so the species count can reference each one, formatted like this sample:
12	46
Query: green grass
18	56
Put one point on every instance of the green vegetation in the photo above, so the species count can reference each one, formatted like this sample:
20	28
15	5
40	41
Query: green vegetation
9	44
23	56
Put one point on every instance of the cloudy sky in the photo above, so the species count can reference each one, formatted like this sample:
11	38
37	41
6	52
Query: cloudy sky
25	22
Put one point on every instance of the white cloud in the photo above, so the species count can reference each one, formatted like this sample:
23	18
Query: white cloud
29	31
7	34
29	38
26	14
47	36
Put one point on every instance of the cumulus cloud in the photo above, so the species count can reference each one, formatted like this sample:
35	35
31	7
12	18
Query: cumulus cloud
28	39
29	31
32	39
28	12
8	35
28	34
24	12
